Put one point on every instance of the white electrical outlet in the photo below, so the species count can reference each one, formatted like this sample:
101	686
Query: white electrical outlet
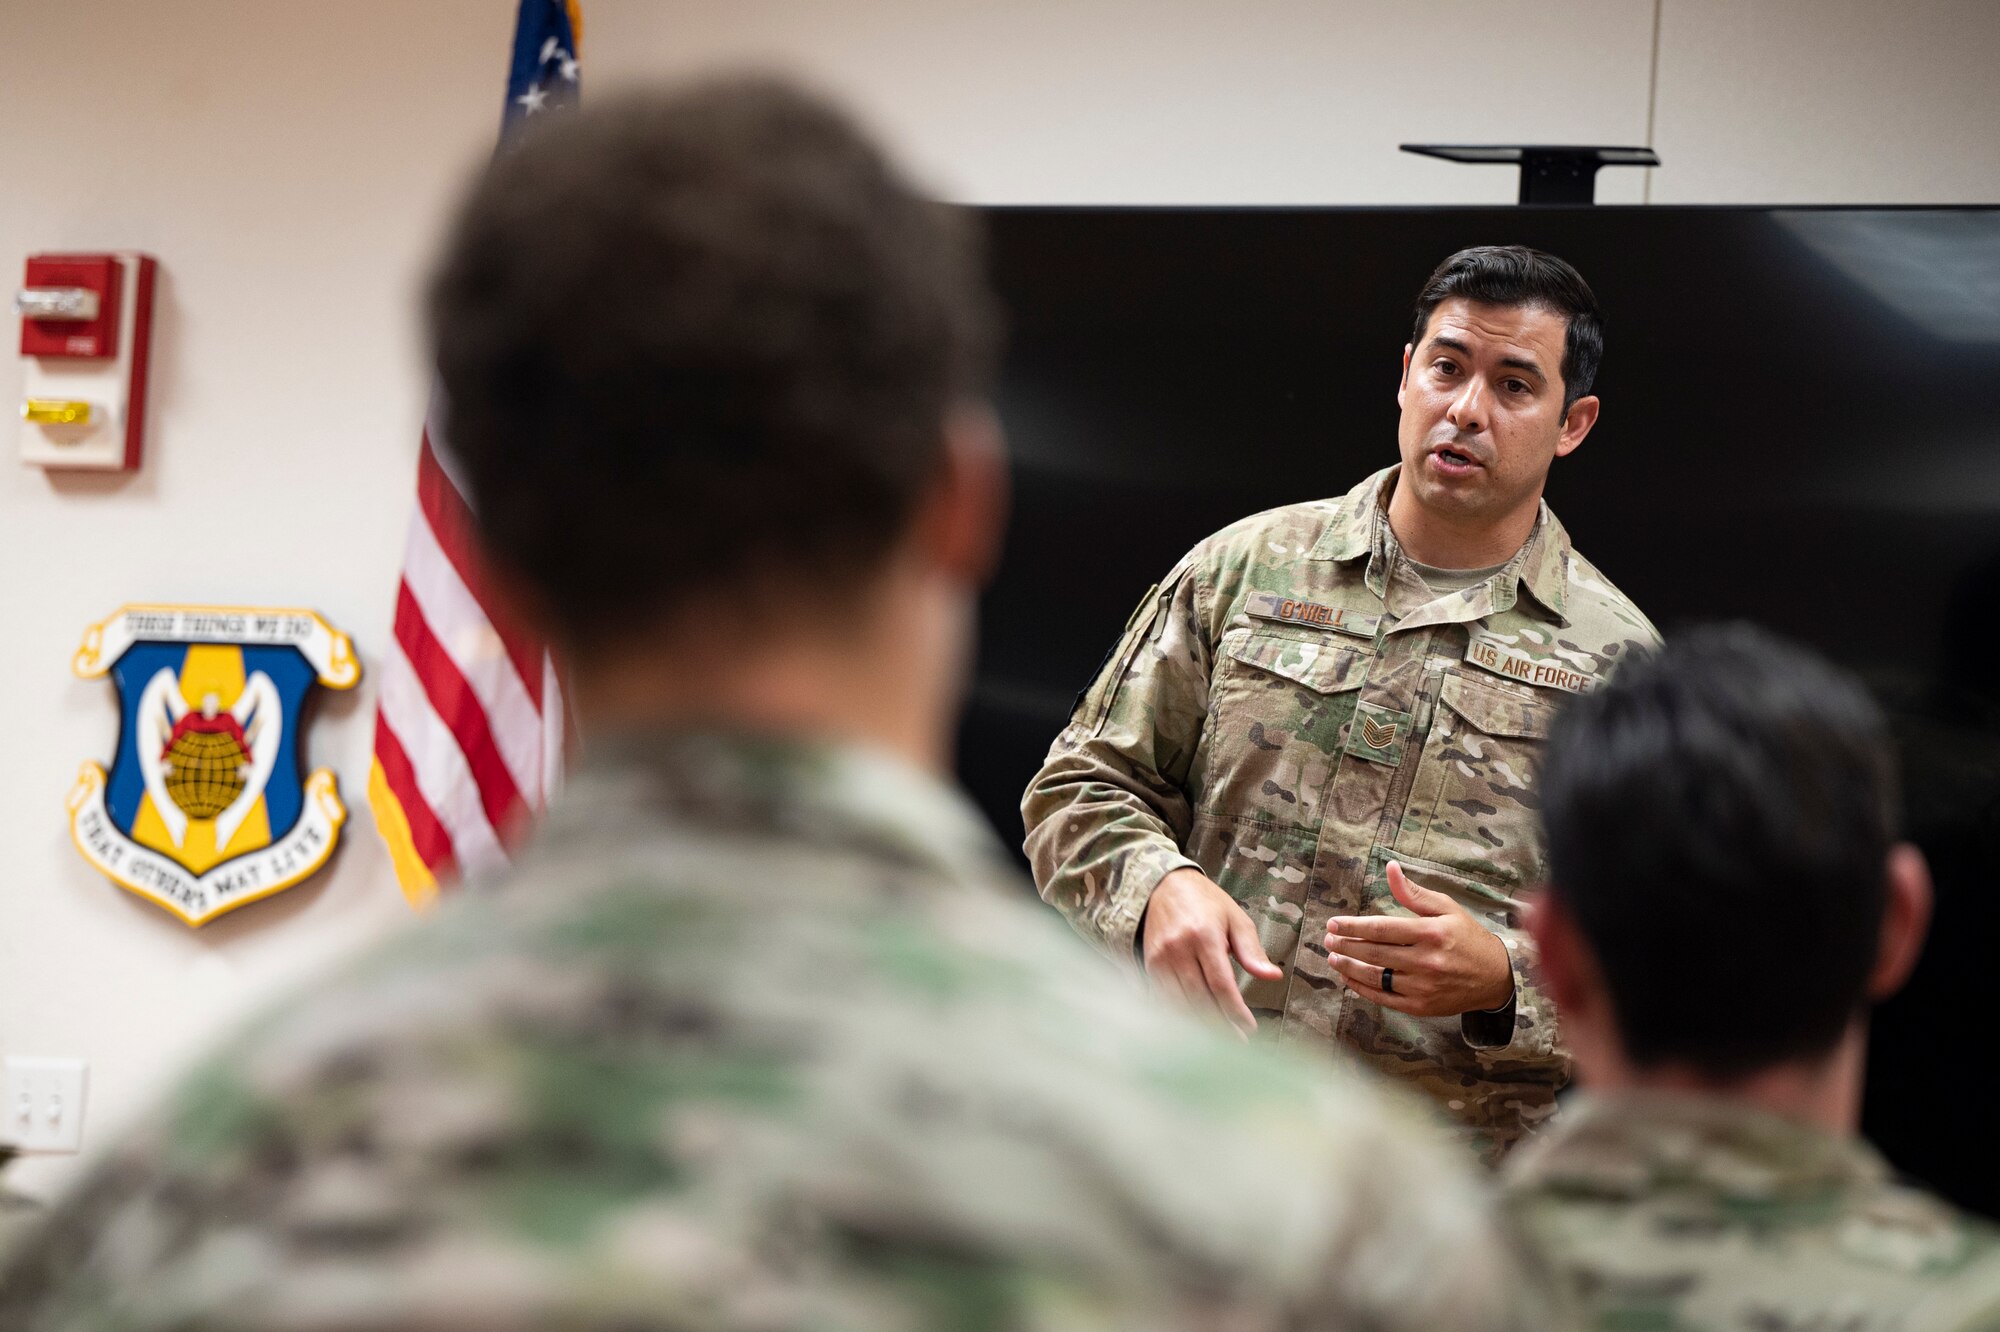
41	1103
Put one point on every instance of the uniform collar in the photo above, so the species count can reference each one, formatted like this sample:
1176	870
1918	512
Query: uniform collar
1360	529
1351	534
777	788
1637	1144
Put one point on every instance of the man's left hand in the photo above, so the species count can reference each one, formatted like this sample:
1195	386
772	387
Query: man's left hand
1446	962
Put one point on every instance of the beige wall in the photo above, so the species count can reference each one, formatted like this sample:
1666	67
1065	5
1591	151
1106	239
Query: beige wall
1168	101
288	163
1828	101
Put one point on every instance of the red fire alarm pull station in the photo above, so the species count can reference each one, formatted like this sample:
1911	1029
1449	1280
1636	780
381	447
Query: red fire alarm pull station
86	336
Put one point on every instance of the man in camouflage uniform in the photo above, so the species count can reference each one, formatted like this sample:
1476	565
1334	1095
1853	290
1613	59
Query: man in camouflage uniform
1303	786
760	1034
1727	899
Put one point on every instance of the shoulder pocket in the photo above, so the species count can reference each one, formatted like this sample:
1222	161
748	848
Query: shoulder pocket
1093	701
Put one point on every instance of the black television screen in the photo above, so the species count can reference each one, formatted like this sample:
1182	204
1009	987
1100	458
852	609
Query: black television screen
1798	428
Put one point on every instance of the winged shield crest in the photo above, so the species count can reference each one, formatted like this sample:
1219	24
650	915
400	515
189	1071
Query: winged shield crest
207	804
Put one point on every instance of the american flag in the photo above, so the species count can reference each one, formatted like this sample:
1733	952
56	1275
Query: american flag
469	718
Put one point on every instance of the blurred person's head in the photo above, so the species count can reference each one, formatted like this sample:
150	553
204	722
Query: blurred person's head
1728	892
1496	386
715	374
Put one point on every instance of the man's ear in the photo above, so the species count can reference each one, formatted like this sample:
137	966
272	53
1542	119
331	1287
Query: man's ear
1403	384
962	519
1577	421
1906	919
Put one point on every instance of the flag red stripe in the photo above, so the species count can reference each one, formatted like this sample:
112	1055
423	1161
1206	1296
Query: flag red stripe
451	523
462	719
433	843
460	710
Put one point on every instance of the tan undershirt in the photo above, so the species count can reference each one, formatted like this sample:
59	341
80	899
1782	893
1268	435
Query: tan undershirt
1444	582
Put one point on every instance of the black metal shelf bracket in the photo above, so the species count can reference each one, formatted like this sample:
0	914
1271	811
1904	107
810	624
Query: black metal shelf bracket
1551	173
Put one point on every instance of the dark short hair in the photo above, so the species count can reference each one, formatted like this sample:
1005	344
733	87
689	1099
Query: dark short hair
1720	817
1516	275
701	342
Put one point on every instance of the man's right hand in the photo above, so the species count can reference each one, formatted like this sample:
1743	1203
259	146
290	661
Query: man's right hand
1191	931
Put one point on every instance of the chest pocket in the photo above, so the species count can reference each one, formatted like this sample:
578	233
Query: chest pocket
1279	707
1475	802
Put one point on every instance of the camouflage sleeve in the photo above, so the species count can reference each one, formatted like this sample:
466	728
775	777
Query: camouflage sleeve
1525	1027
1107	813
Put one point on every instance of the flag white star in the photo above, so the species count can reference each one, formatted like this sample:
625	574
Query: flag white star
568	63
533	99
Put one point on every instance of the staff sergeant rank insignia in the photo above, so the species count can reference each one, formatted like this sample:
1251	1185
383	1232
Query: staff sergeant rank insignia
207	805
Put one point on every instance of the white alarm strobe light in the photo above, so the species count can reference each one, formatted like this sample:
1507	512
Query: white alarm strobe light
56	303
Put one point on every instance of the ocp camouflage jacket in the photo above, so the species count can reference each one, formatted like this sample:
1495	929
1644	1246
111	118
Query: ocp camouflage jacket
1668	1209
1291	709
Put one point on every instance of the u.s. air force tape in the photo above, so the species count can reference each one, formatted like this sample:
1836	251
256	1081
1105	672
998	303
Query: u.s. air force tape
1493	653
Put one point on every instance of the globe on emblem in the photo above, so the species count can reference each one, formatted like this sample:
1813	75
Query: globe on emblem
207	763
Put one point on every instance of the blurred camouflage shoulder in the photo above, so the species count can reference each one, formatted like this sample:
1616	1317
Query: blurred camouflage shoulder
17	1209
759	1068
1697	1216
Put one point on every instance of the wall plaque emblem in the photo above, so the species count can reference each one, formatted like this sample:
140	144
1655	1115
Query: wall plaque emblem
207	804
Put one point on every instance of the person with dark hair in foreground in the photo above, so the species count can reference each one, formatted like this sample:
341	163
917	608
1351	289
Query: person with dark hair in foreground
1728	898
1303	787
761	1032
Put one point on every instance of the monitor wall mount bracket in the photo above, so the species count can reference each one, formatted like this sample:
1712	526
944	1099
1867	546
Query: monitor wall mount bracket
1551	173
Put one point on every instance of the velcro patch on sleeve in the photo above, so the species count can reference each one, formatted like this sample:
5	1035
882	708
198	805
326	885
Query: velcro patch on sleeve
1492	653
1310	614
